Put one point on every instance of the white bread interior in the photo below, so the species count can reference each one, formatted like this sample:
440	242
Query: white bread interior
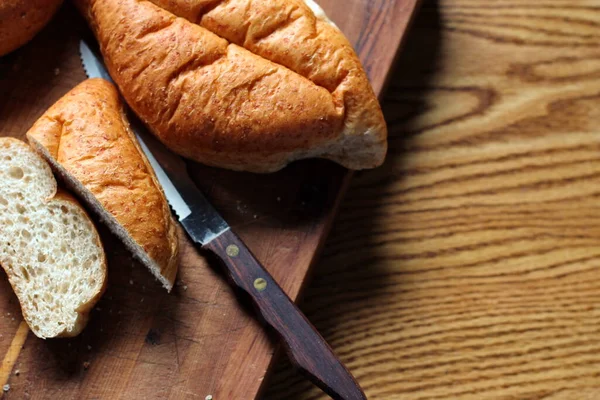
49	248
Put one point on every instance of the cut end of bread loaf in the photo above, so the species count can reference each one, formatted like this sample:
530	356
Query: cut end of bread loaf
87	140
49	248
107	218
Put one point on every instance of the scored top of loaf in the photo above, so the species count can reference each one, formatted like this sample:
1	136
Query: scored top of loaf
248	85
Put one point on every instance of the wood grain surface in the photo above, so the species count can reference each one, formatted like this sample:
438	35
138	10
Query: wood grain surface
143	343
468	267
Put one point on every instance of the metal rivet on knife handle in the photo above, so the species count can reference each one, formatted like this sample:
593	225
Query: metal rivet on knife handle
232	250
260	284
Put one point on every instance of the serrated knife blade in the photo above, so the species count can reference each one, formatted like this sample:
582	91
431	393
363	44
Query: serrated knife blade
307	350
91	64
94	68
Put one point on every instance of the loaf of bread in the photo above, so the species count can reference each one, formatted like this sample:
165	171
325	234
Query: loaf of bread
49	248
20	20
241	84
87	140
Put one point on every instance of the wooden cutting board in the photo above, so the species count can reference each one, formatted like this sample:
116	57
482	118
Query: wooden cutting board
200	340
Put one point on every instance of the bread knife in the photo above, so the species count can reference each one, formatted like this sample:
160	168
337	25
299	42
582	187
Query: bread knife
305	347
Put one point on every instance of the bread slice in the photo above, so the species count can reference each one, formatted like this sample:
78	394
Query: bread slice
87	140
242	84
49	248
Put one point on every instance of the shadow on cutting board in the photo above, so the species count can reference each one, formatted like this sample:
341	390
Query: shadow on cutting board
342	298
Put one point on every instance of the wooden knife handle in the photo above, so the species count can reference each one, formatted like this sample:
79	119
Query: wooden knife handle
305	347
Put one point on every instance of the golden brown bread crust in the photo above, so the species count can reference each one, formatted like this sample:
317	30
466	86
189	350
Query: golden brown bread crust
87	134
20	20
247	85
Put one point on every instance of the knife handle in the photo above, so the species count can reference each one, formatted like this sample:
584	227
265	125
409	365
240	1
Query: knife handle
305	347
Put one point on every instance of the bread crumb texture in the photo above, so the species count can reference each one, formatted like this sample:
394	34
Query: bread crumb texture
49	248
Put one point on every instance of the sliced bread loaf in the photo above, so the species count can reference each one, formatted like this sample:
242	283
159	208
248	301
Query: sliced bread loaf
49	248
87	140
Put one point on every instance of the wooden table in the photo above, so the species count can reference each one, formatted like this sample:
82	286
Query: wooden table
468	267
